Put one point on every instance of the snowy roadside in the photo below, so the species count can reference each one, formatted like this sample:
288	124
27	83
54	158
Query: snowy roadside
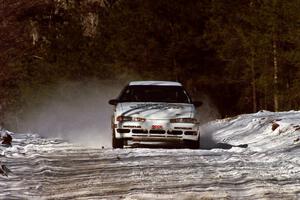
269	168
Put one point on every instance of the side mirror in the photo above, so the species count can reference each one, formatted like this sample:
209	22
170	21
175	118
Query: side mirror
113	102
198	103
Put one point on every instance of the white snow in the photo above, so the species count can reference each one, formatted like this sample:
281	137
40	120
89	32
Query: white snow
269	168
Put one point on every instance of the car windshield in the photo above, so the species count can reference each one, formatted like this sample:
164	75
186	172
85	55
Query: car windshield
154	93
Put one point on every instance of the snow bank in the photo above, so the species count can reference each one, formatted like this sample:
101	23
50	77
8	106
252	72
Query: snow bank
262	131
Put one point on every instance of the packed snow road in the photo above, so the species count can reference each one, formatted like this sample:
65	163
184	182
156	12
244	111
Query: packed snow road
269	168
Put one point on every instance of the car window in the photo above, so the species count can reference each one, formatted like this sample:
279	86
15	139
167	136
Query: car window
150	93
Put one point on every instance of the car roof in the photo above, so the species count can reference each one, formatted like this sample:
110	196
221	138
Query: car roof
166	83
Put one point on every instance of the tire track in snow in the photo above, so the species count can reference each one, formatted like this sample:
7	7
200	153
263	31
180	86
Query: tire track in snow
95	173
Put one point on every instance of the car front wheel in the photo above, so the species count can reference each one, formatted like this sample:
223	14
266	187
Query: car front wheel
117	143
191	144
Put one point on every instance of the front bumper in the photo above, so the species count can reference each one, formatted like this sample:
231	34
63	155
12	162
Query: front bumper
156	130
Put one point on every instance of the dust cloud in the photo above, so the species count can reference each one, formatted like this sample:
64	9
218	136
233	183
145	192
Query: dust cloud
207	111
207	140
205	114
75	111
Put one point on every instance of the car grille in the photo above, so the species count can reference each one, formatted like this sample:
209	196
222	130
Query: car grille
123	130
140	131
175	132
190	133
157	131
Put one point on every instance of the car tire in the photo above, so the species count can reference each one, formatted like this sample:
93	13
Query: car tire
117	143
191	144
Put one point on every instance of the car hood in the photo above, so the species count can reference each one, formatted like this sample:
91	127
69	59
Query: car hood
156	110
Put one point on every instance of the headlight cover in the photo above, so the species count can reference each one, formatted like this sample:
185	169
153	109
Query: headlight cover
130	119
184	120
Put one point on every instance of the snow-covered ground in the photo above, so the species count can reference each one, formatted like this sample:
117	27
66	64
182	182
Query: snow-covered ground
269	168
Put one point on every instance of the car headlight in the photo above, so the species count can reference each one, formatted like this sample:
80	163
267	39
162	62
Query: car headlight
130	119
184	120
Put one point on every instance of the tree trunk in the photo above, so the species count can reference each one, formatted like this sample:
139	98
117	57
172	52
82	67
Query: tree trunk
253	83
275	78
275	58
176	69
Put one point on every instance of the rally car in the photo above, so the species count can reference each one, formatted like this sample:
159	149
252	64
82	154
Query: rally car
159	111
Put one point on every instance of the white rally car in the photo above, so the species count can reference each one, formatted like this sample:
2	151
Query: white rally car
159	111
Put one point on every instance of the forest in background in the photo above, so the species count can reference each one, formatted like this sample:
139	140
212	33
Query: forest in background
243	54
